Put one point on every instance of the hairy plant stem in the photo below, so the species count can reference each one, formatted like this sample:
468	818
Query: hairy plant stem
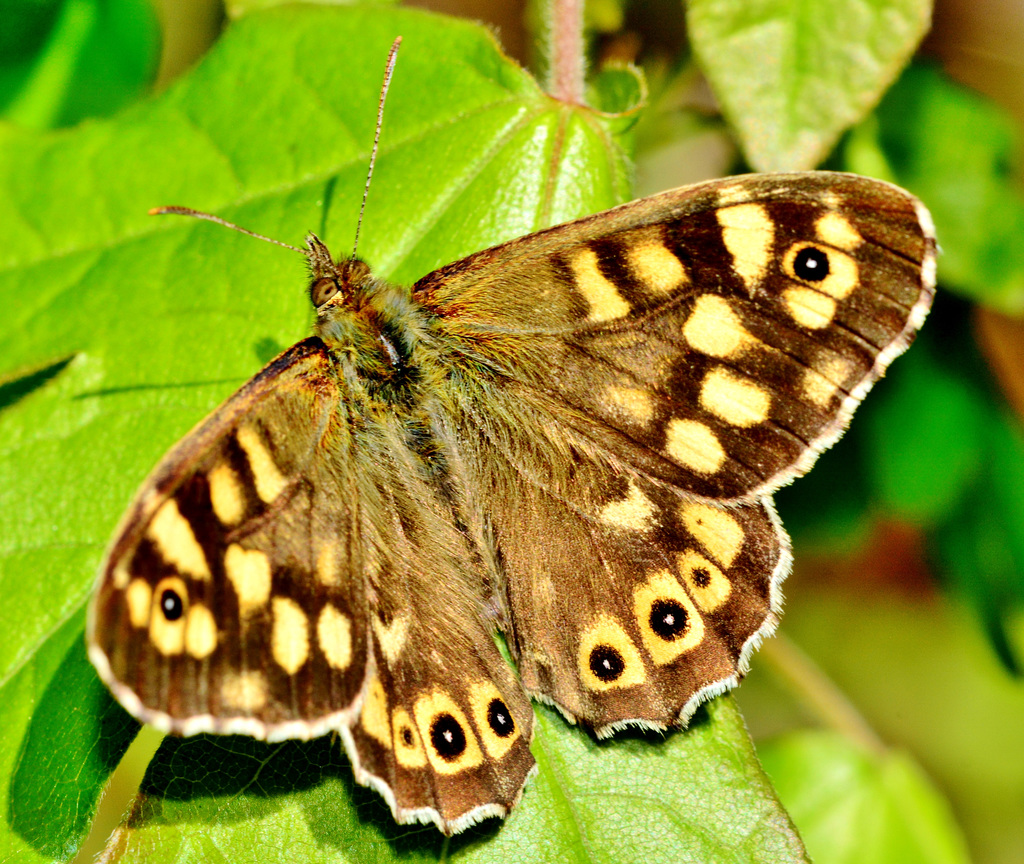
565	50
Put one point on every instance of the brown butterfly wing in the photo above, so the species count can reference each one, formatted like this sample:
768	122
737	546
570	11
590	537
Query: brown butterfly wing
445	727
277	576
716	337
206	614
651	375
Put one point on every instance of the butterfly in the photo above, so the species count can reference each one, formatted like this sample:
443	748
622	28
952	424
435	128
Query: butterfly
570	440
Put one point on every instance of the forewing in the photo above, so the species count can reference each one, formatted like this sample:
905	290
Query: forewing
217	608
716	337
626	391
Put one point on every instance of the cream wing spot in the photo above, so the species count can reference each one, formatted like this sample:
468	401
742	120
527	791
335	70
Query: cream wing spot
226	495
607	657
706	582
635	512
494	721
408	747
820	385
374	716
245	692
121	577
543	589
732	194
266	475
809	308
449	740
843	278
668	622
327	570
713	328
602	296
836	230
734	398
289	637
391	638
830	199
748	234
139	597
717	530
168	615
694	445
200	632
334	636
817	388
655	267
249	573
633	401
176	542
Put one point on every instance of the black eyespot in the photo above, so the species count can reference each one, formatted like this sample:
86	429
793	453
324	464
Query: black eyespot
606	663
701	577
500	719
323	290
171	605
668	619
810	264
447	737
407	738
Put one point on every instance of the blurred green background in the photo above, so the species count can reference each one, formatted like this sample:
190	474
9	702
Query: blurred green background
904	628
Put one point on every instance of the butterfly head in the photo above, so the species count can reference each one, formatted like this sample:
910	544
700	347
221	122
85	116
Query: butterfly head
331	280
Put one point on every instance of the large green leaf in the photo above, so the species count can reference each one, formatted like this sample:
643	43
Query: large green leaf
792	76
63	61
697	796
920	672
122	331
858	807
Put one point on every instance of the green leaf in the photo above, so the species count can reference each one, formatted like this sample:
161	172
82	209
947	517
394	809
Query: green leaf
792	76
919	671
621	93
61	734
957	151
238	8
96	56
854	806
627	800
123	331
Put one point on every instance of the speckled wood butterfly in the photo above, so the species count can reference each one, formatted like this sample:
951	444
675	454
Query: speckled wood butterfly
571	439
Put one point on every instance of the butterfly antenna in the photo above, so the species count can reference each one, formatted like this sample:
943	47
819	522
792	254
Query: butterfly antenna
388	69
209	217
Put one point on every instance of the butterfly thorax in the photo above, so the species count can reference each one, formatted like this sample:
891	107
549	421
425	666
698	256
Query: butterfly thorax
372	328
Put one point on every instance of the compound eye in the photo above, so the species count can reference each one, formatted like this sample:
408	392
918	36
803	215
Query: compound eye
323	290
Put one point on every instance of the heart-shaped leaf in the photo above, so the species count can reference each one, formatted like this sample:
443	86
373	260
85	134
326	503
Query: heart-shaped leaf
792	76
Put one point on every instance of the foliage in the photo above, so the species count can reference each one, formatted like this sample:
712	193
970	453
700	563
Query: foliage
122	331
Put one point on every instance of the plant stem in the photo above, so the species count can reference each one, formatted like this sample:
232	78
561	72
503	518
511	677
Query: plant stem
565	48
805	679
